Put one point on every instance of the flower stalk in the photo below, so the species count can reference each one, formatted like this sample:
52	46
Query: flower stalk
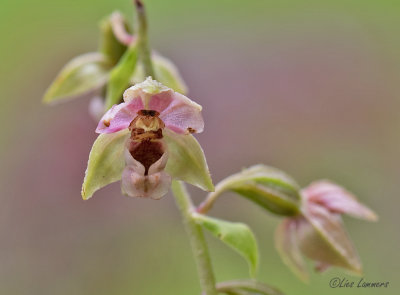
197	240
142	39
220	188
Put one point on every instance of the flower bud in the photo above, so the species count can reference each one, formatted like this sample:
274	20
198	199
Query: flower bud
318	232
110	46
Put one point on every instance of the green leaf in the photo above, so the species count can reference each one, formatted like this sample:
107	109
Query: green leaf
236	235
248	287
109	45
166	73
81	76
106	162
120	76
186	160
268	187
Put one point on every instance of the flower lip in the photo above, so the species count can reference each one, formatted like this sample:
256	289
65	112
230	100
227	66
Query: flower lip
146	152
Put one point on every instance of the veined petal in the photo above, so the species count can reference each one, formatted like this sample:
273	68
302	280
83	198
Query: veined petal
182	115
337	199
286	244
119	116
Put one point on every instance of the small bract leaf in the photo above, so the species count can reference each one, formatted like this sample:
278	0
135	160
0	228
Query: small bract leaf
186	160
120	76
81	76
268	187
247	287
106	162
110	46
165	71
236	235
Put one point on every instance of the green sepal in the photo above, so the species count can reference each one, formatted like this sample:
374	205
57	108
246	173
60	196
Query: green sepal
106	162
236	235
186	160
82	75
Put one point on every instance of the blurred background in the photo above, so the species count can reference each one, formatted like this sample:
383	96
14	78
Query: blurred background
311	87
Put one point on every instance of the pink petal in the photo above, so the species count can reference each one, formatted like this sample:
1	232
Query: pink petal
178	112
161	101
181	115
286	244
119	116
337	199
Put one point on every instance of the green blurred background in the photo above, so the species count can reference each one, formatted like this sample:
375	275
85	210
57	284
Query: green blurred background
311	87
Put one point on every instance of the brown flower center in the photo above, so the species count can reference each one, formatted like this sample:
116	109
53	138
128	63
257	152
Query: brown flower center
147	152
146	125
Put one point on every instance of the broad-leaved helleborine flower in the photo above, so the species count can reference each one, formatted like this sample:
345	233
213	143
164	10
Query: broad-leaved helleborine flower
154	121
318	231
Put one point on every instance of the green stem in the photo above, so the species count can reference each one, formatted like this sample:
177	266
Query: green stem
220	188
142	39
197	240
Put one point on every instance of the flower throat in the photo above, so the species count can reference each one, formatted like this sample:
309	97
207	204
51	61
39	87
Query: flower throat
146	136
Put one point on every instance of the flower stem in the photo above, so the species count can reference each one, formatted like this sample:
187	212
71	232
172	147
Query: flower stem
142	39
197	240
221	187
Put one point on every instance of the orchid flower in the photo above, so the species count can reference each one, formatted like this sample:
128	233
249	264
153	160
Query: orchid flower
154	121
318	231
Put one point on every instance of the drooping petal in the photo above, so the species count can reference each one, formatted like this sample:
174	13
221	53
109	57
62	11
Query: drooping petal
182	115
337	199
153	186
286	244
324	239
136	183
119	116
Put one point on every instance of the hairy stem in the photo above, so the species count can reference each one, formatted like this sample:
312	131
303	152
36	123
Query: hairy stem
142	39
197	240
